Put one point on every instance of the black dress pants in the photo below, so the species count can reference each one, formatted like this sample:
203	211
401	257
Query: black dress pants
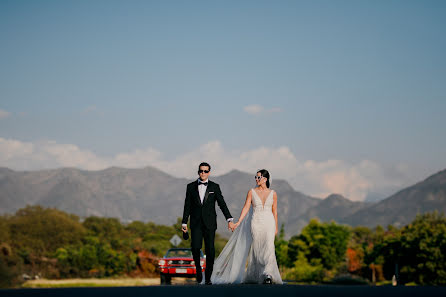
197	236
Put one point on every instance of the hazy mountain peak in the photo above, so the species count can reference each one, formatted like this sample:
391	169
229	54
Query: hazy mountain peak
4	170
439	177
112	168
334	197
402	207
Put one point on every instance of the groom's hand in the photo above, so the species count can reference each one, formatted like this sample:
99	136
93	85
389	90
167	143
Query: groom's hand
231	225
184	228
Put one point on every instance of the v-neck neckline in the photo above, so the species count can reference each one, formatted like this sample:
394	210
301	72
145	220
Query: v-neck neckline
261	201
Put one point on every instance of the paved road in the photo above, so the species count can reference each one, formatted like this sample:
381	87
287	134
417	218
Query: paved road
232	291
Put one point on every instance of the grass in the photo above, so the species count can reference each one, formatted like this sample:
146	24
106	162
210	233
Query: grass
96	282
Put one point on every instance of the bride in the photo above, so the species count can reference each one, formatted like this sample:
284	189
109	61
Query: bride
249	256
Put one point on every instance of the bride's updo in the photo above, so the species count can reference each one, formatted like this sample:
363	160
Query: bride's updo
265	173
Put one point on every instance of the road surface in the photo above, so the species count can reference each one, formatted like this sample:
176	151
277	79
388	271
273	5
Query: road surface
232	291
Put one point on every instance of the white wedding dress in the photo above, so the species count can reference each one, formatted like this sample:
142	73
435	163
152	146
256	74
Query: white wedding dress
249	254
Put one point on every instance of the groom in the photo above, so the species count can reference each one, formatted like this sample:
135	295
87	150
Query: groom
201	196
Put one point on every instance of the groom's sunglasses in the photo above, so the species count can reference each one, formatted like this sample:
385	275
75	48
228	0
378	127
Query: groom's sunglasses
201	171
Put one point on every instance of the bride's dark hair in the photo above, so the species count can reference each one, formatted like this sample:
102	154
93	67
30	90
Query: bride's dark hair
265	173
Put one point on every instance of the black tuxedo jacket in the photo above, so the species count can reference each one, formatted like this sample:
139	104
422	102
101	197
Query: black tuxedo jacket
203	213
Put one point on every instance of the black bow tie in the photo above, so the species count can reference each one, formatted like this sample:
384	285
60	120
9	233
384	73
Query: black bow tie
204	184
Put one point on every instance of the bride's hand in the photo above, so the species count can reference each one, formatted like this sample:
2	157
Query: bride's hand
277	231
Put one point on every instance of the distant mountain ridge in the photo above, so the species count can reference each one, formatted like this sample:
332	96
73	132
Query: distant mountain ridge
148	194
335	207
145	194
402	207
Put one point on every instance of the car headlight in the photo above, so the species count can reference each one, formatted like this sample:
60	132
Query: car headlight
169	262
192	263
162	262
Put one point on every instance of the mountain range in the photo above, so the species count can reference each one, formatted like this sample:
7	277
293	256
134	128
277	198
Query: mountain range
148	194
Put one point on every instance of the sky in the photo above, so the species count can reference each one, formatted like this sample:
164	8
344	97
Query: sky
343	97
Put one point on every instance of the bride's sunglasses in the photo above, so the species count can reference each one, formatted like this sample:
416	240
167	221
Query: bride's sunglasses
201	171
258	177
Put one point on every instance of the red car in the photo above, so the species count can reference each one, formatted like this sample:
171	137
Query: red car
178	262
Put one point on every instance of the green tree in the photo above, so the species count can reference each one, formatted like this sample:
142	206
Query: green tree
326	241
281	247
109	229
303	271
359	246
42	231
418	249
4	230
317	253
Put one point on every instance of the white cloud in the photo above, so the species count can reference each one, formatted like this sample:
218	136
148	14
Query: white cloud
253	109
4	114
353	180
137	158
91	108
256	109
47	154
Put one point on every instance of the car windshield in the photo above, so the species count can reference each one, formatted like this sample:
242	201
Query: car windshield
179	253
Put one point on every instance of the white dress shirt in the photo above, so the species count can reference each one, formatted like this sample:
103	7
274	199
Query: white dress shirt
202	189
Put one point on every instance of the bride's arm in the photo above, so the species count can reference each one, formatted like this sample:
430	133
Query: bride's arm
275	210
245	208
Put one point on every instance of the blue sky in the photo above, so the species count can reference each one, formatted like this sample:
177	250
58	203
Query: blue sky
334	96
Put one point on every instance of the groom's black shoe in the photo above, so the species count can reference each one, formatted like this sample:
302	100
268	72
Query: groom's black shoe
199	276
208	283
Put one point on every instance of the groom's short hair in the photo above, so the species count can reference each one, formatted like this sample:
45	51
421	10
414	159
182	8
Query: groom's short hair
204	164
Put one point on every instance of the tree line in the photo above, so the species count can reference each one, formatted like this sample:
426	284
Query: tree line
50	243
327	252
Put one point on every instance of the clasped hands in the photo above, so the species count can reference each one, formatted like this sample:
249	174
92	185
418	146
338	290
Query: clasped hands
232	226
